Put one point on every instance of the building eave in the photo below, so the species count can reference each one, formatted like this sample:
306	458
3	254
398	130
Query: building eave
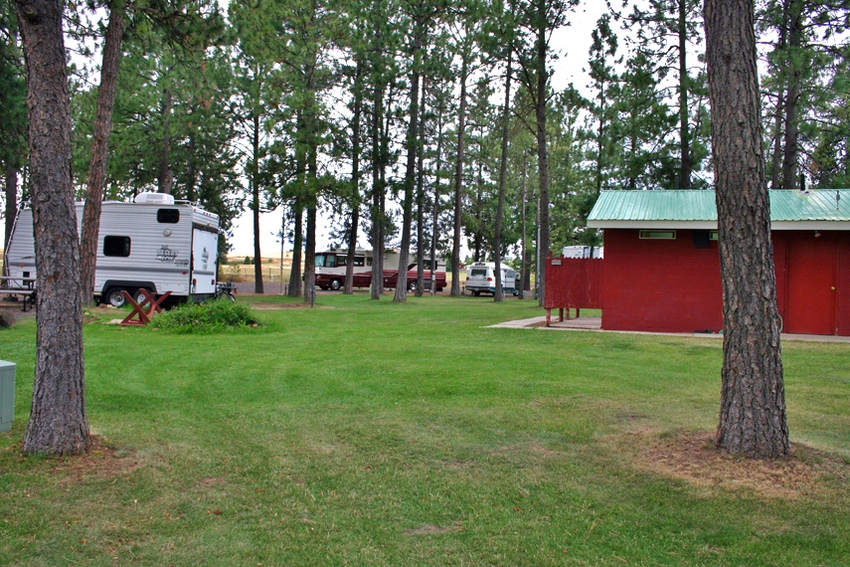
712	225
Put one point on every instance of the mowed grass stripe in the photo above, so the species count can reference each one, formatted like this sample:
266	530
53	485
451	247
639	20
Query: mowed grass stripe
370	433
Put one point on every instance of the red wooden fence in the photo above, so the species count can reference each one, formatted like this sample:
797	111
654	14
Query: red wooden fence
572	283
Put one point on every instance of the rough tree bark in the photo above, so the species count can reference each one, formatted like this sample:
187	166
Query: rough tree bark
684	133
255	201
378	164
310	240
295	273
100	150
348	288
410	172
542	151
166	176
58	424
793	76
436	215
499	294
297	246
752	410
420	196
458	192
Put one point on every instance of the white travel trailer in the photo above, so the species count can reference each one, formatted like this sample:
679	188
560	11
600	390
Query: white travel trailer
154	243
583	252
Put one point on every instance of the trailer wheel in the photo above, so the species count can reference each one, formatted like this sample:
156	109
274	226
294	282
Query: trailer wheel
411	287
139	297
336	285
115	297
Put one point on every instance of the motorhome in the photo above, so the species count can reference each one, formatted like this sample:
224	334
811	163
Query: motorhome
481	278
331	264
330	268
154	243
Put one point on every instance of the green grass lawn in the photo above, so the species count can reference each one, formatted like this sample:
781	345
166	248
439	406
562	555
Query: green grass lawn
368	433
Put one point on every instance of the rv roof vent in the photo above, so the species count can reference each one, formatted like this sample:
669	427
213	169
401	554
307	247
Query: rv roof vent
155	198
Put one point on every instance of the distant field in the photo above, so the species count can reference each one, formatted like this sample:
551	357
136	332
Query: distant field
377	434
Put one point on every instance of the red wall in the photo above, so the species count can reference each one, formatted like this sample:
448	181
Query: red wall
573	282
672	286
844	285
660	285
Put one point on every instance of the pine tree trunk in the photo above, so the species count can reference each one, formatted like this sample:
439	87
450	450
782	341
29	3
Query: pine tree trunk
525	280
776	162
58	424
192	171
348	288
461	131
752	412
779	111
793	75
377	194
100	151
542	152
297	246
296	285
255	204
420	199
166	176
499	295
684	133
410	173
312	212
436	217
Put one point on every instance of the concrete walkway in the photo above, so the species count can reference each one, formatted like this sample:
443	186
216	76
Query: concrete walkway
595	324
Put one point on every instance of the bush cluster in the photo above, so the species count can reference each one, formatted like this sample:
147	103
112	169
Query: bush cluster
205	317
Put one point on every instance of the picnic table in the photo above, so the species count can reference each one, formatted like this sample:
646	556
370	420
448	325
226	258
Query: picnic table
144	310
19	289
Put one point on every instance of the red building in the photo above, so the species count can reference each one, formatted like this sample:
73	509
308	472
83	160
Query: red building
662	265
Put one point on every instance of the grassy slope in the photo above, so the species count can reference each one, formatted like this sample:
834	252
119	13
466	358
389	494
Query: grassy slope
367	433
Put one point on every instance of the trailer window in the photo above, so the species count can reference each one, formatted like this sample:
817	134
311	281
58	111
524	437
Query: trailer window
116	246
168	216
325	260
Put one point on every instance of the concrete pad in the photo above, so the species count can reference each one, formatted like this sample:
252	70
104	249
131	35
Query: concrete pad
594	324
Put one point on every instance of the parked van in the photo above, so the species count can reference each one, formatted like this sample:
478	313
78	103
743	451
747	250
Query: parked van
481	278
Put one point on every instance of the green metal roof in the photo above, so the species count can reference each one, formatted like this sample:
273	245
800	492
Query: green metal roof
698	208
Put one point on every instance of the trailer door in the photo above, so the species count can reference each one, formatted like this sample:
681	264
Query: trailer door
204	261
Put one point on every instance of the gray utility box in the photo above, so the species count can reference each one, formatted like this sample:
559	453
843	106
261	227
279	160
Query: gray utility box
7	394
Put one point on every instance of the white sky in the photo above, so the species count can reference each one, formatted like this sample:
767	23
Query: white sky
571	43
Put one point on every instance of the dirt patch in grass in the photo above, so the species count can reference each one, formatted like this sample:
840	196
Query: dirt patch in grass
102	462
691	456
428	529
210	482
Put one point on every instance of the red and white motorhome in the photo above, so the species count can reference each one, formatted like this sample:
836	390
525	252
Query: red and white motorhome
330	270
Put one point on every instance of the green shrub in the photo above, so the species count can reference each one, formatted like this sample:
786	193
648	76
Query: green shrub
205	317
